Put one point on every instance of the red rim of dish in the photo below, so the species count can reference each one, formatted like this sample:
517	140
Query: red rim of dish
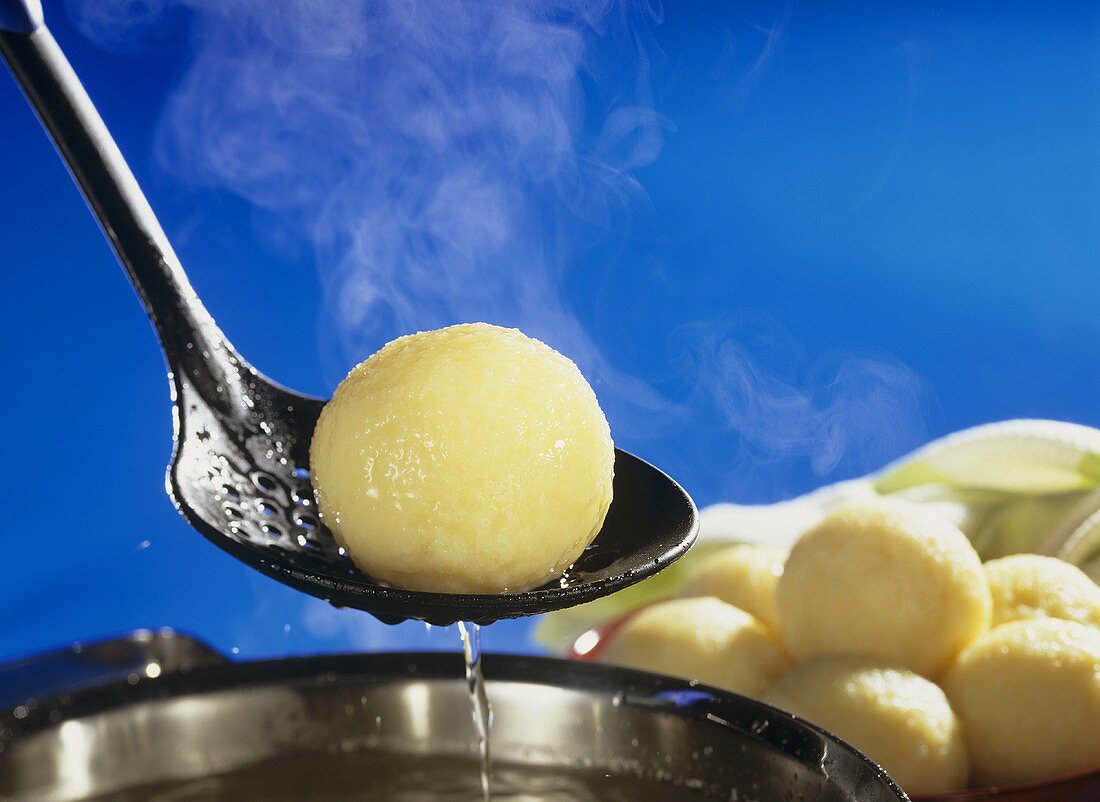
592	644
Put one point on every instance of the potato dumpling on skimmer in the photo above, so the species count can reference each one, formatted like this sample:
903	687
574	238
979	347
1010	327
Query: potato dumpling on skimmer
470	459
1028	696
887	580
744	575
703	639
1033	586
901	720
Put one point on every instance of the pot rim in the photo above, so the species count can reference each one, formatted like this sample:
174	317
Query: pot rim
700	703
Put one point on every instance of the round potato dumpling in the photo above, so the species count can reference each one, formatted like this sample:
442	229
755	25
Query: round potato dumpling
744	575
703	639
899	719
470	459
1028	696
883	579
1033	586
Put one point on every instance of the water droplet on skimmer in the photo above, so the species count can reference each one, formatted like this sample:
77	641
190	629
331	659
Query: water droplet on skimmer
309	544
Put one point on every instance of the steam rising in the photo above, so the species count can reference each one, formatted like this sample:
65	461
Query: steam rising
443	157
844	412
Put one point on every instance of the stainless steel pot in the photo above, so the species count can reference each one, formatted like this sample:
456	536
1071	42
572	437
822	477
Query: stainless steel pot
147	708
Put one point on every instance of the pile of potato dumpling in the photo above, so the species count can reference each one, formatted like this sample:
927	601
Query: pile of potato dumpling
883	626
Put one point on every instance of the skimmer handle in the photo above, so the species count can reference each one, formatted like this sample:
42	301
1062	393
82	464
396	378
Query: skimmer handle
187	333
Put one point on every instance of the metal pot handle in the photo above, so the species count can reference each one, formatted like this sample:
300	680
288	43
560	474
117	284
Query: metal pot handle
139	654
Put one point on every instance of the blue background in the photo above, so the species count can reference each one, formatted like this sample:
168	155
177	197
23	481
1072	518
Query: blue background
910	187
